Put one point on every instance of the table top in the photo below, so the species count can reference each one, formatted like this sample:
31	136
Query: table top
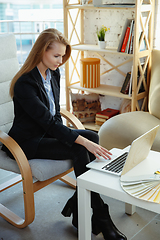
109	185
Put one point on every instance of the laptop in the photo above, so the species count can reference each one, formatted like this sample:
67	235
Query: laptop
120	165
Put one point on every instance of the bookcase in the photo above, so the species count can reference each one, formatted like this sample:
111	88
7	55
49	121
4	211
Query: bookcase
74	30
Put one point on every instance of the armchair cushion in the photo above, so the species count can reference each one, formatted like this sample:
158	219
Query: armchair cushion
42	169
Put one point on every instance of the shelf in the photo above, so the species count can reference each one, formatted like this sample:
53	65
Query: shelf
91	126
145	7
95	48
103	90
105	6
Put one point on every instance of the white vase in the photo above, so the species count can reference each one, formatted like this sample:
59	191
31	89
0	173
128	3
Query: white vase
83	2
102	44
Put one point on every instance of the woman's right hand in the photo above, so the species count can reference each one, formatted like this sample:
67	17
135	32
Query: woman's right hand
94	148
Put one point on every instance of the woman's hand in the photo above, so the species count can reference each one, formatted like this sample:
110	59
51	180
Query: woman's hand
94	148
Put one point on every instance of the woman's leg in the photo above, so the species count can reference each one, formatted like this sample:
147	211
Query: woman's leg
52	149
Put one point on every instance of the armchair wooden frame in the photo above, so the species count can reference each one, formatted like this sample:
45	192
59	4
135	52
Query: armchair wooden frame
29	188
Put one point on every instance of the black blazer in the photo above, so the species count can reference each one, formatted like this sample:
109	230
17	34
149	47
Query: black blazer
32	118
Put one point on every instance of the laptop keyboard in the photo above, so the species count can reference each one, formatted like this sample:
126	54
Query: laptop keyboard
117	164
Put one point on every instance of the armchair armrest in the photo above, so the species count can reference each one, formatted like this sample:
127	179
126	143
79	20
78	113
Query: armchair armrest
71	118
17	152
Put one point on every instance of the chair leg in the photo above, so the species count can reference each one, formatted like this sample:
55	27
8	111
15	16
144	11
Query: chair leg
27	182
28	194
12	218
68	180
29	209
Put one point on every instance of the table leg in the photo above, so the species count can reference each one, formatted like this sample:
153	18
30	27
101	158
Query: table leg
84	214
130	209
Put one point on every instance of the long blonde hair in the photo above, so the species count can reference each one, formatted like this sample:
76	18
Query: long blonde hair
43	42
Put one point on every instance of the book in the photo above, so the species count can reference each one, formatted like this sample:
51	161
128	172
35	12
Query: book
142	41
99	123
107	113
130	85
141	86
130	37
126	84
100	119
140	83
124	44
127	24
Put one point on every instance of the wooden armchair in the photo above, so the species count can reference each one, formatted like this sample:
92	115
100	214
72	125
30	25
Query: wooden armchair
43	171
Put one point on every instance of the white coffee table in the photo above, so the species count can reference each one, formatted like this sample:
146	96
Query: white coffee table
108	185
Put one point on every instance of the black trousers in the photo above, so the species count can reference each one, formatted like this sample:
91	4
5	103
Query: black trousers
51	148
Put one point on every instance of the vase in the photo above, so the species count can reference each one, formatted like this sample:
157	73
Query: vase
83	2
102	44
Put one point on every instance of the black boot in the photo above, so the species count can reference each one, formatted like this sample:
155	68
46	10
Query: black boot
101	222
71	207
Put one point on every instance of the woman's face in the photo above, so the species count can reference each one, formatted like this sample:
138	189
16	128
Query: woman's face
52	58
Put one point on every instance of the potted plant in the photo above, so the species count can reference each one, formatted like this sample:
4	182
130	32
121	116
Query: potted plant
101	36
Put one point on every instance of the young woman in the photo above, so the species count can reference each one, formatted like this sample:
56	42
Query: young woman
38	126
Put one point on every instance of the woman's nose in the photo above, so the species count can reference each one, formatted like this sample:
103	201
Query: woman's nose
60	60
